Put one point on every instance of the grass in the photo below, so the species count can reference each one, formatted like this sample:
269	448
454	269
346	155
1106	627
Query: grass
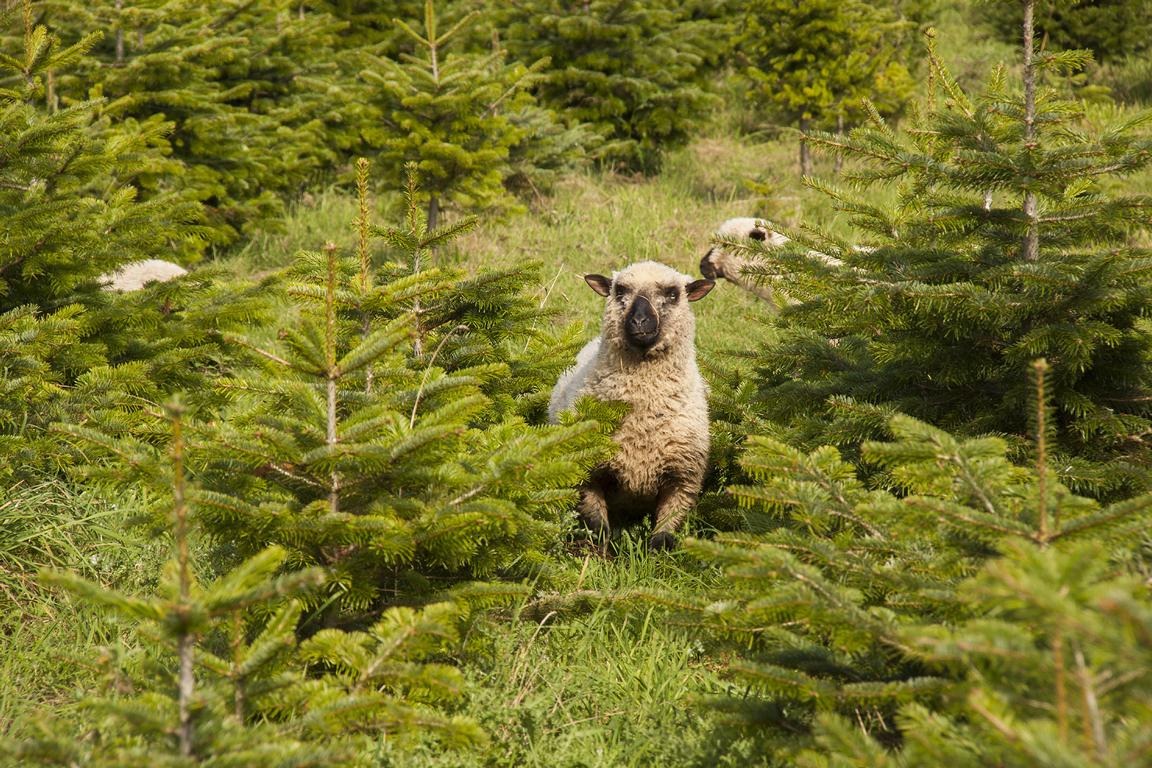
47	639
605	686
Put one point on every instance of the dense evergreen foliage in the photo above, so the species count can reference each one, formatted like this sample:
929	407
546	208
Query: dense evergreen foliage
1003	243
1111	29
813	64
69	349
451	115
384	440
71	165
635	71
246	111
105	366
930	599
387	465
222	676
875	617
371	23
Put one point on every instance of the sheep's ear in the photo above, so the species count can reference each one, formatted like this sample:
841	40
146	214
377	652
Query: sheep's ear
698	289
602	285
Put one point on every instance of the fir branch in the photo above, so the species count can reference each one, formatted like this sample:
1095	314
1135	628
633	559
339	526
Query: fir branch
249	345
427	370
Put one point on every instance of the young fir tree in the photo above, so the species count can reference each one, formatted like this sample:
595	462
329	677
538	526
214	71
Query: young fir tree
1005	241
979	612
222	678
449	114
384	436
70	209
813	64
635	71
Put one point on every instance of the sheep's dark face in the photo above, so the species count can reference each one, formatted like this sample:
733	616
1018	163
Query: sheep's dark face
709	266
641	318
645	310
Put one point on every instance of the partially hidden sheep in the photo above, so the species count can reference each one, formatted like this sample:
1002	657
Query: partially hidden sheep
724	261
727	263
135	275
645	356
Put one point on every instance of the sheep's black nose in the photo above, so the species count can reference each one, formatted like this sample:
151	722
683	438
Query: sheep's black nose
707	268
641	324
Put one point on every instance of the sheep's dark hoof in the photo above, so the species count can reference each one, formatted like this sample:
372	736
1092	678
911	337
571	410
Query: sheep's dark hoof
662	541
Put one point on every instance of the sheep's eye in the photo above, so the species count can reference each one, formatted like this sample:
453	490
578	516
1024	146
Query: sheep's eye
672	294
622	292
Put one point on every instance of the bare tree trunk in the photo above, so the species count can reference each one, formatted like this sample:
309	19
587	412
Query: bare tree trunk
1031	205
1041	368
433	222
805	150
362	232
119	33
333	372
1061	687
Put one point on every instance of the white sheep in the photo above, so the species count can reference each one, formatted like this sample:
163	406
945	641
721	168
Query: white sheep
135	275
645	356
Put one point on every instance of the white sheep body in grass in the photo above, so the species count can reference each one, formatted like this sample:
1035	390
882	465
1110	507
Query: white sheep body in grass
135	275
645	356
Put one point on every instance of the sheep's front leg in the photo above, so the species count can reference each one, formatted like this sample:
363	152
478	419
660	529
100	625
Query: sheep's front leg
593	512
671	508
